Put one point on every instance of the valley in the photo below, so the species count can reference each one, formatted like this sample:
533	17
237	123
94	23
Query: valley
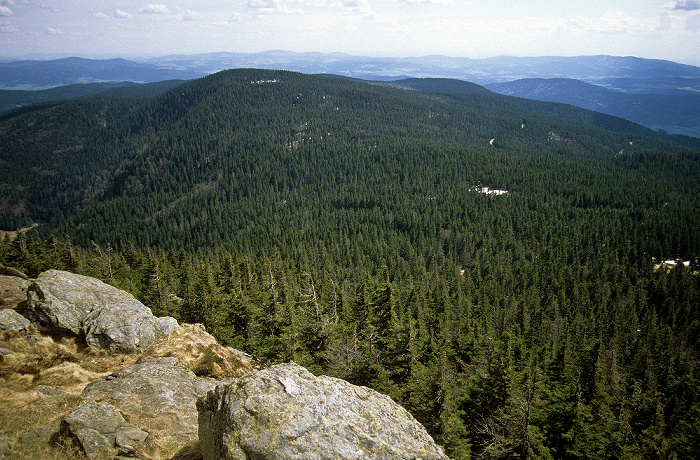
486	261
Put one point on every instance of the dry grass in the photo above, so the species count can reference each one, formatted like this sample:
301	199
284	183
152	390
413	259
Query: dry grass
42	451
191	451
201	353
66	364
13	234
62	363
24	410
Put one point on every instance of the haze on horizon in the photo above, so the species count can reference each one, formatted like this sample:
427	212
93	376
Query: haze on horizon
657	29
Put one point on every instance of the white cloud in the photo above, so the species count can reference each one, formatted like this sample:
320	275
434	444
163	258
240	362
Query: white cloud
188	15
683	5
7	28
355	6
154	9
665	22
44	6
232	18
5	11
268	6
613	22
441	2
692	24
265	5
53	31
122	14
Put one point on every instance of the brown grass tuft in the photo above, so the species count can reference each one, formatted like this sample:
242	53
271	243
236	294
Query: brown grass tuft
24	410
67	364
68	376
61	362
201	353
191	451
21	451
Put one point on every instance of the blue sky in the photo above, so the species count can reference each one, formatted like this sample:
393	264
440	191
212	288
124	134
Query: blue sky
665	29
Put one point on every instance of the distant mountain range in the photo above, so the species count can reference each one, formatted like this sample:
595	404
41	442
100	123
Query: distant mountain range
32	75
661	95
673	113
628	74
10	99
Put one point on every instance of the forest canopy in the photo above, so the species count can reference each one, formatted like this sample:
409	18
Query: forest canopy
346	226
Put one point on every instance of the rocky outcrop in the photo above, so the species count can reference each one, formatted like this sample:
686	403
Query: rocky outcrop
97	428
202	354
10	320
285	412
41	434
151	407
13	291
5	450
103	315
156	395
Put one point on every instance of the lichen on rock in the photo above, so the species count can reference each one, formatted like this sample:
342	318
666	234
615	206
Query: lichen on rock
285	412
104	316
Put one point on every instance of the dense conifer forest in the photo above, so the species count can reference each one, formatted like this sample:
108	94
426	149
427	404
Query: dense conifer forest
493	268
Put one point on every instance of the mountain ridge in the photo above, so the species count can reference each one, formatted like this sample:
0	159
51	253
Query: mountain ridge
667	93
488	262
628	74
668	112
121	142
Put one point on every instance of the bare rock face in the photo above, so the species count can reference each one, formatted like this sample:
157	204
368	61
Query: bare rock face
99	429
13	291
5	451
103	315
285	412
11	320
156	395
125	327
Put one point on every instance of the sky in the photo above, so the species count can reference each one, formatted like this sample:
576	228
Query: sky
659	29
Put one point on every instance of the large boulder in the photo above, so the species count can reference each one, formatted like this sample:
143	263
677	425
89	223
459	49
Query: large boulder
11	320
99	429
156	395
103	315
13	291
125	327
285	412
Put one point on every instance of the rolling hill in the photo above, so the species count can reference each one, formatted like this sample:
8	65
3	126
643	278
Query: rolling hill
572	96
10	99
661	95
627	74
674	113
30	75
102	152
491	263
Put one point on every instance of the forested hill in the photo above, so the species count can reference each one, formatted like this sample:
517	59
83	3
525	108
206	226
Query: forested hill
242	142
649	110
494	268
